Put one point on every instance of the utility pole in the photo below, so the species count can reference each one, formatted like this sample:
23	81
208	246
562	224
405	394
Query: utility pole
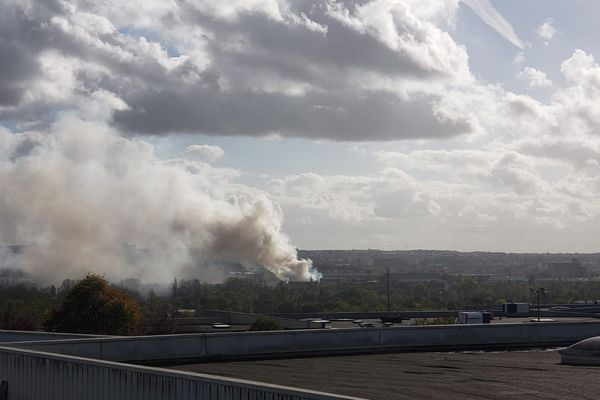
388	289
538	305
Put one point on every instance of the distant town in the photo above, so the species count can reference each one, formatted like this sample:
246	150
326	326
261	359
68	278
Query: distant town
357	267
362	266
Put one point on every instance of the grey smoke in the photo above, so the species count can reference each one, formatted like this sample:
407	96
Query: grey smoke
81	197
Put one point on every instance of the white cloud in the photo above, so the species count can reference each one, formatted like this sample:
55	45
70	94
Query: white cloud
397	26
516	172
581	68
203	152
534	78
546	31
519	58
535	171
432	196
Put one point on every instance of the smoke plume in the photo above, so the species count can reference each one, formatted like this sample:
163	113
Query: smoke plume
81	196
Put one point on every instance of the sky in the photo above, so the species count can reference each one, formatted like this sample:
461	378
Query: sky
317	124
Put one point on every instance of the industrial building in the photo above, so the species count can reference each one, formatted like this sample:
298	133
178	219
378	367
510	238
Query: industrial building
227	365
565	270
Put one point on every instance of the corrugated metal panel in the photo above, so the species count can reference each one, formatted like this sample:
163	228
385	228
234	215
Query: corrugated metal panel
35	375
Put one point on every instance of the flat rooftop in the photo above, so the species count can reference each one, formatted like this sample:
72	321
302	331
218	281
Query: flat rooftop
356	323
533	374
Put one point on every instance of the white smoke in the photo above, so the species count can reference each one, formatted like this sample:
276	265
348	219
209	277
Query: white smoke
81	197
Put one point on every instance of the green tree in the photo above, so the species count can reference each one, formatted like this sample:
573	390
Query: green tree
263	323
93	306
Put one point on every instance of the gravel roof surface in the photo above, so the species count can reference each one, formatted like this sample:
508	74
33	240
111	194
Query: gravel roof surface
534	374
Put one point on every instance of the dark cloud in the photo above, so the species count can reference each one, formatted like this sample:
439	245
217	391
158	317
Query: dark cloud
336	109
296	52
378	116
20	40
24	147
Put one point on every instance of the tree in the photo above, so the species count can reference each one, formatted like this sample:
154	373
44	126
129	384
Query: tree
263	323
93	306
174	290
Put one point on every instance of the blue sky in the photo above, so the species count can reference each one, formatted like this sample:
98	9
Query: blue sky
490	55
491	61
441	124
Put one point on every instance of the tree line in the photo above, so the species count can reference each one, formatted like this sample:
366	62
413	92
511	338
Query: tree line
68	308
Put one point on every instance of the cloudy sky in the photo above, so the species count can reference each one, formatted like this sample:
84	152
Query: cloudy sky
390	124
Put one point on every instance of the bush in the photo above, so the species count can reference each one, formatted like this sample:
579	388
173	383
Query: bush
265	324
435	321
93	306
18	315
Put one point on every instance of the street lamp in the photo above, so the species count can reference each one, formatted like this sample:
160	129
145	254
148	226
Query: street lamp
538	292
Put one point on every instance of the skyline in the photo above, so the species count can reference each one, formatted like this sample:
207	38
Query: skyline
239	126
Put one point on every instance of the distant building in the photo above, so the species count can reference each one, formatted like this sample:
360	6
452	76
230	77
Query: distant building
345	274
565	270
470	317
515	308
302	284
